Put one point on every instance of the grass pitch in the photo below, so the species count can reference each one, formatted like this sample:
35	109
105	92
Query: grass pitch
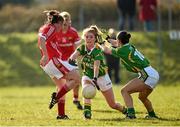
28	106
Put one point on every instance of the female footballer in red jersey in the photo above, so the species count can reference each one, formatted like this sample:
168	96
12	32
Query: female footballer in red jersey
67	36
68	40
51	63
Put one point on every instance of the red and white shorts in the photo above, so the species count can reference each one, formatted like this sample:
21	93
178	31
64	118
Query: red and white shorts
58	68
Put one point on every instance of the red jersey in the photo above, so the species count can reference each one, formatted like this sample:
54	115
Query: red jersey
67	41
48	32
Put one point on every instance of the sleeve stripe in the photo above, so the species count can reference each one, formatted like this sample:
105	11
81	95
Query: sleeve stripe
40	35
50	31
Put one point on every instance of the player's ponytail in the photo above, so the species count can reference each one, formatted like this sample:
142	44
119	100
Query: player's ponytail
49	14
124	37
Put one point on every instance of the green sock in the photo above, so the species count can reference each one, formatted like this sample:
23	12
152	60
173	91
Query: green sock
130	111
87	107
152	113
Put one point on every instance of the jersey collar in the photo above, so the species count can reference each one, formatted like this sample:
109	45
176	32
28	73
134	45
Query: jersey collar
89	52
126	44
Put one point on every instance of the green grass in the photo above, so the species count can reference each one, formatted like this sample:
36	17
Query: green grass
23	105
19	58
28	106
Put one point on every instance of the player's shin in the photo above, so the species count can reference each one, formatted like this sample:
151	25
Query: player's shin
61	107
63	91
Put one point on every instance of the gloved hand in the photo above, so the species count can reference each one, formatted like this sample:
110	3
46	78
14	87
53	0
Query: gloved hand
108	37
72	62
95	82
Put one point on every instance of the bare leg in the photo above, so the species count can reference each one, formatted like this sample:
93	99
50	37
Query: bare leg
135	85
143	97
73	79
76	93
59	82
109	96
76	97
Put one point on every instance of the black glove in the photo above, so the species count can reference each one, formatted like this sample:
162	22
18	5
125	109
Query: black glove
72	62
108	37
95	82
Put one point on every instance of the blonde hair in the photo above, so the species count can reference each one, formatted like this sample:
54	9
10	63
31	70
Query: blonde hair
94	30
65	14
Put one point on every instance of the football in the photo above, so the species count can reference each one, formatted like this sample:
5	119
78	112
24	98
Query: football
89	91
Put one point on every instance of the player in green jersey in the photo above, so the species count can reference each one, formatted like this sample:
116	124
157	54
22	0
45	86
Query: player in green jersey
134	61
95	70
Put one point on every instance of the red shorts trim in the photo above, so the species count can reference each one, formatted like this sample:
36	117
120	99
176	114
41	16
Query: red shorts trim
60	66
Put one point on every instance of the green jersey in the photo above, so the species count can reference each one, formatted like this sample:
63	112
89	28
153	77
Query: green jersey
88	59
131	58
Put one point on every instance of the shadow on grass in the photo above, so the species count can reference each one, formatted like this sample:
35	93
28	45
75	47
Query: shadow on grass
104	111
155	120
166	119
112	111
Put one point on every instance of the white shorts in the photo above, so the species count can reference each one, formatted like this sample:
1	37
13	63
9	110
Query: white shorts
104	82
150	76
58	68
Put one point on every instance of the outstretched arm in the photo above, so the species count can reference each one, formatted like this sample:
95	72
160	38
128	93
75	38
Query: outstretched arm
96	68
107	50
96	73
45	58
74	55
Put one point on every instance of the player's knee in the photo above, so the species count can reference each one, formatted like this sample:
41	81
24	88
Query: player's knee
123	91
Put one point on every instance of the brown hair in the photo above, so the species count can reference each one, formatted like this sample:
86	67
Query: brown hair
51	12
57	19
124	37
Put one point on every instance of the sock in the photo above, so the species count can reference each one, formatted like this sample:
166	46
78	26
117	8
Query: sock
61	107
87	107
62	92
75	97
152	113
130	111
